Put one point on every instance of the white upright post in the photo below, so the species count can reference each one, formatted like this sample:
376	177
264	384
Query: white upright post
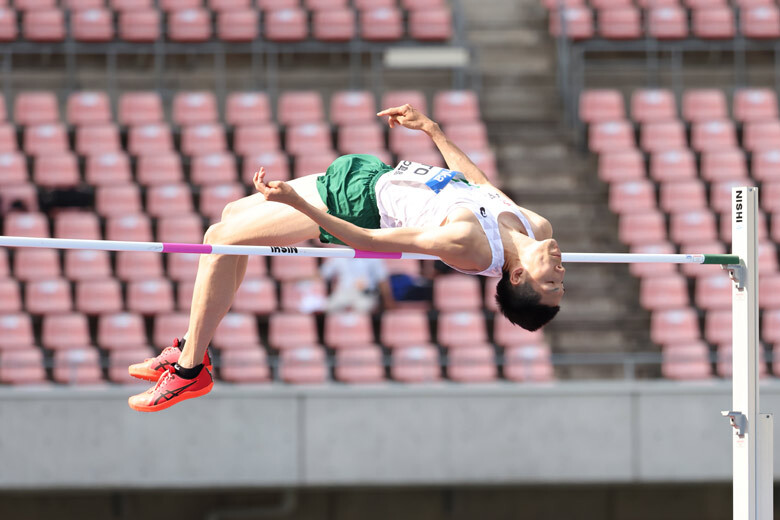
752	476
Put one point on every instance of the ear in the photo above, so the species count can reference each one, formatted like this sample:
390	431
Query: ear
517	275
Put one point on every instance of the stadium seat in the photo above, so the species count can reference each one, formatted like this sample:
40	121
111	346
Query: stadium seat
610	136
140	108
138	266
256	138
761	135
456	292
461	329
150	296
256	266
214	198
506	334
194	108
48	296
88	107
167	326
22	366
78	366
674	325
620	23
236	331
238	25
662	293
697	270
119	360
713	292
663	135
601	105
36	264
415	363
168	200
720	194
700	105
203	138
632	197
84	264
576	22
92	25
102	296
247	108
403	141
9	30
713	135
5	270
352	106
770	326
256	294
528	363
298	107
724	368
313	163
653	105
16	331
8	143
182	267
44	25
383	24
186	228
36	108
333	24
760	21
691	227
139	25
179	5
359	137
160	168
244	365
288	330
117	200
64	331
667	22
672	165
56	170
647	227
120	330
653	269
755	104
682	196
129	5
305	295
713	22
472	364
456	106
468	136
717	326
275	5
725	227
686	361
723	165
31	224
213	168
14	167
45	139
324	5
433	24
348	330
766	167
404	327
308	137
10	296
394	98
303	365
95	139
293	268
769	196
189	26
137	228
359	365
149	139
286	25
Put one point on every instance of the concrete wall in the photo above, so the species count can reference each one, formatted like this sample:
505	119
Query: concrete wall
277	436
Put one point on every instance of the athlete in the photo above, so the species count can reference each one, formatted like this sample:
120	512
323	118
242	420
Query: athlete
455	214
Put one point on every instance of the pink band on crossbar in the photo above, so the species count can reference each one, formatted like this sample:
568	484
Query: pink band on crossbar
186	248
373	254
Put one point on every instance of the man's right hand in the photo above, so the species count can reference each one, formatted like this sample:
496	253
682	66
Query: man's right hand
409	117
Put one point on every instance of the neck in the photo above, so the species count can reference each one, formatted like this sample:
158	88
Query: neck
514	242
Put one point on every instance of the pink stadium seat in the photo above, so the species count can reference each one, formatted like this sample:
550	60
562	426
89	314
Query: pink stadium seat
688	360
713	135
755	104
139	25
725	227
178	5
150	296
26	225
315	162
95	139
7	140
121	330
213	199
599	106
717	326
195	107
403	141
307	138
415	363
255	294
461	329
25	194
766	166
713	23
84	264
149	139
64	331
383	24
662	293
189	26
672	165
362	5
137	228
244	365
775	235
394	98
169	325
360	365
352	106
485	160
77	5
213	168
667	22
45	139
720	194
99	296
468	136
14	167
119	360
9	30
256	138
159	168
760	21
203	139
36	264
456	106
723	366
769	196
293	268
256	266
433	24
769	293
356	138
22	367
247	108
663	135
692	227
700	105
303	365
286	25
238	25
610	136
456	292
333	24
88	107
16	331
723	165
182	267
576	22
761	135
713	292
275	5
236	331
36	108
674	325
5	270
139	108
44	25
647	227
620	23
324	5
92	25
117	200
168	200
697	270
653	105
767	255
404	327
653	269
770	326
138	266
682	196
56	170
10	296
77	366
348	330
108	169
632	196
307	295
472	364
528	363
186	228
48	296
129	5
506	334
301	106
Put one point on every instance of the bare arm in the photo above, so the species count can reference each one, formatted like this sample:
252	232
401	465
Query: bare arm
456	160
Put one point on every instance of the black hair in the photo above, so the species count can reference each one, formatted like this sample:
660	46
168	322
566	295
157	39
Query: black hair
520	304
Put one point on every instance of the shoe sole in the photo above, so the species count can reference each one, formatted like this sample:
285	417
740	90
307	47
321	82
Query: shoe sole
168	404
147	374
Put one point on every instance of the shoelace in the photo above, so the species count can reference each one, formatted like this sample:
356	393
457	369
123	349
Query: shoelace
165	377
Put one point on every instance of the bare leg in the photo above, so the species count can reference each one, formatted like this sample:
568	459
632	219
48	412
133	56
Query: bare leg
252	221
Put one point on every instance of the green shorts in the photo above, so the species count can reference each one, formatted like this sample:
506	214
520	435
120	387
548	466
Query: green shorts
347	189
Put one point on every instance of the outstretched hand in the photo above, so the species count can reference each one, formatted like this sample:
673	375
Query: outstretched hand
276	191
407	116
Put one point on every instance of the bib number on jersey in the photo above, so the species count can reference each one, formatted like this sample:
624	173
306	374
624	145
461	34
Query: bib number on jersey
435	177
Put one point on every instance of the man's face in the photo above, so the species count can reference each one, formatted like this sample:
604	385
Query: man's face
544	271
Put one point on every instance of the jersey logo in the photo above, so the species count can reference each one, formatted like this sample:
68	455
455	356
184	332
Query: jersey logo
483	212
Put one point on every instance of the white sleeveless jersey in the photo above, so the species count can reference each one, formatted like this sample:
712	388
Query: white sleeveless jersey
419	195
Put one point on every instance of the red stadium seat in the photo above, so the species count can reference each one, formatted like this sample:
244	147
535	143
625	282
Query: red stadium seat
64	331
236	331
213	168
760	21
189	26
356	138
717	326
700	105
769	297
770	197
22	366
653	105
48	296
7	141
766	166
120	330
10	296
213	199
713	292
193	108
461	329
179	5
44	25
664	135
673	165
247	108
84	264
168	200
186	228
683	196
150	296
456	292
45	139
724	165
238	25
286	25
362	5
108	169
575	22
36	108
293	268
137	228
88	107
14	166
169	325
431	24
663	293
620	23
138	266
26	225
16	331
333	24
713	135
404	327
528	363
256	138
244	365
360	365
468	136
761	135
383	24
653	269
403	141
119	360
157	169
203	139
149	139
139	108
647	227
416	363
78	366
713	22
770	326
99	296
674	325
5	271
182	267
275	5
256	294
36	264
348	330
456	106
256	266
324	5
394	98
139	26
611	136
9	30
688	360
755	104
97	139
316	162
352	106
632	196
303	365
117	200
56	170
302	106
667	22
92	25
507	334
472	364
599	106
693	227
276	164
307	138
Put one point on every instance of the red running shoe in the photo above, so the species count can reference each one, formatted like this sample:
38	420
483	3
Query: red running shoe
171	389
152	368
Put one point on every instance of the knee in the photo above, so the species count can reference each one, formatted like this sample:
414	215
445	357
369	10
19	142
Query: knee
213	233
228	210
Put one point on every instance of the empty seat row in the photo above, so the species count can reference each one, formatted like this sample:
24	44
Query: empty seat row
219	5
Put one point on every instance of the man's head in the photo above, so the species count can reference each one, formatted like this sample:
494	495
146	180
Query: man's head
530	291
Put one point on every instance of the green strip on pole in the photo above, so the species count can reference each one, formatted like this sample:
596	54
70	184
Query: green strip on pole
721	259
